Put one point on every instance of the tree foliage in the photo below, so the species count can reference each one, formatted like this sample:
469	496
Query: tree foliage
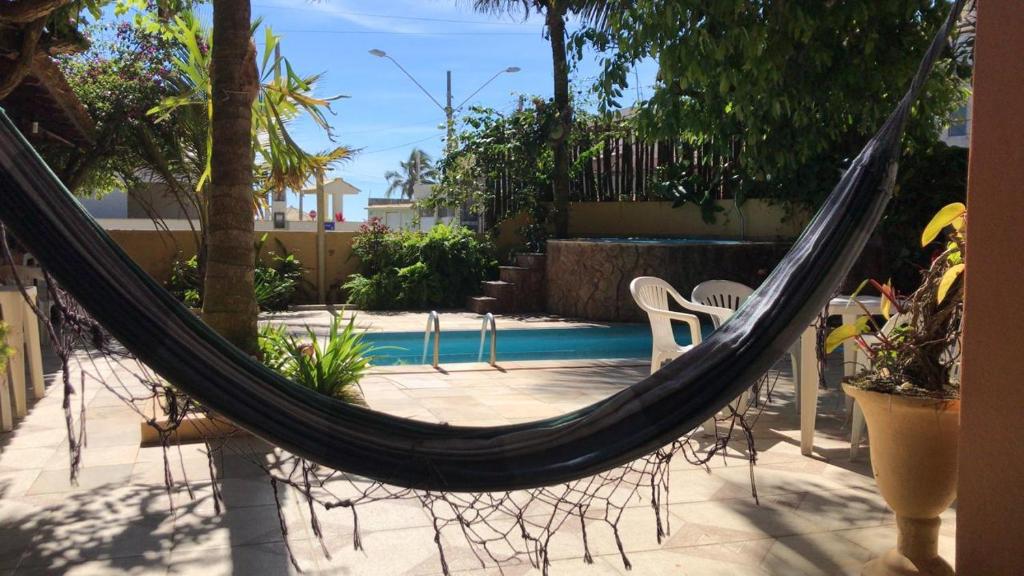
410	269
418	169
796	87
555	13
283	96
124	73
511	151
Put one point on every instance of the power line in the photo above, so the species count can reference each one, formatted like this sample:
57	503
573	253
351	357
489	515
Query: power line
391	16
346	133
397	146
391	33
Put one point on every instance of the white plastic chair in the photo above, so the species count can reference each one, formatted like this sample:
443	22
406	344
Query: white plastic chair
731	295
652	296
722	294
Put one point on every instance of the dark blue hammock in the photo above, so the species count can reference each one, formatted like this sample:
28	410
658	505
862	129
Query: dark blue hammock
168	338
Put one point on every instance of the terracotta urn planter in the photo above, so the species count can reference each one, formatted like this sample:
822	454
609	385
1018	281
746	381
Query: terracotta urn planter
914	460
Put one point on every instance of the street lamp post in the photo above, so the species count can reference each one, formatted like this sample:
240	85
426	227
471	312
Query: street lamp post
447	108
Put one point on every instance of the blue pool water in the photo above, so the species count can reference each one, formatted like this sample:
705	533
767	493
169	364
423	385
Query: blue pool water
620	341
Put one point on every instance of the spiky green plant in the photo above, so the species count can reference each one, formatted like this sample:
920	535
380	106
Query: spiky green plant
332	367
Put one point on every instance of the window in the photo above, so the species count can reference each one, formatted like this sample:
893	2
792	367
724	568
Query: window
958	123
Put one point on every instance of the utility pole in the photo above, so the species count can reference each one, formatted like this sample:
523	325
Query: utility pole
449	110
449	113
279	198
321	240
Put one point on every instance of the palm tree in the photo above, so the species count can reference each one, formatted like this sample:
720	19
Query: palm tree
555	11
271	158
418	169
229	302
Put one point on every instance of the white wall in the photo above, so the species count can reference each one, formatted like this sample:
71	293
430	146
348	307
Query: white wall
113	205
261	225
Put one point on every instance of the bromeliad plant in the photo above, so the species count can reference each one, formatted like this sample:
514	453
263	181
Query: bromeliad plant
332	367
916	352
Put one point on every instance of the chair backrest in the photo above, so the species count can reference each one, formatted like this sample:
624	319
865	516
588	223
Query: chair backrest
721	293
651	295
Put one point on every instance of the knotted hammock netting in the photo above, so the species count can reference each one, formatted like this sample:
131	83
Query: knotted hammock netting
505	490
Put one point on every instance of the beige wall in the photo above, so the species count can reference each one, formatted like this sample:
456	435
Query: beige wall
155	251
990	512
761	221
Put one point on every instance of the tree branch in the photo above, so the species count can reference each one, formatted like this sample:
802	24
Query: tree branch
23	63
27	11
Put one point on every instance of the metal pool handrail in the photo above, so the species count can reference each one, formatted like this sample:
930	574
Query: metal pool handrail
489	318
435	319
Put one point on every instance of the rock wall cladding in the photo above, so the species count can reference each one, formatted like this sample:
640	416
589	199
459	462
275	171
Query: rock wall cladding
590	280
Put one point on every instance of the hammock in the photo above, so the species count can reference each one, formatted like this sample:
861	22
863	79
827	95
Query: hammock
171	340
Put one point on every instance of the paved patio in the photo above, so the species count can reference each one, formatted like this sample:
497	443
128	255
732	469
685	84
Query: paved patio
819	515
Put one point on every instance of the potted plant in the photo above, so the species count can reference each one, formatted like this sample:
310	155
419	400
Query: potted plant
910	398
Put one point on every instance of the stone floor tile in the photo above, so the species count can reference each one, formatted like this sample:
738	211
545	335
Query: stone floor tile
24	437
820	554
13	459
17	483
143	565
880	539
710	560
94	456
16	532
388	553
89	478
266	559
201	528
64	537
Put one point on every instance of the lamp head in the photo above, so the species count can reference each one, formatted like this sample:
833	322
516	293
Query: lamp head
513	69
379	53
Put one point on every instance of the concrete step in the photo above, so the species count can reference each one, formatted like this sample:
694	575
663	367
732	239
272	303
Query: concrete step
503	291
529	287
534	261
515	274
482	305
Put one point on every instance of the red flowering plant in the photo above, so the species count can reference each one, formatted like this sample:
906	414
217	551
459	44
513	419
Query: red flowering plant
917	351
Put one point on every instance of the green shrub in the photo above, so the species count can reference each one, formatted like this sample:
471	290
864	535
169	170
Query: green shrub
378	292
377	247
275	284
404	269
185	283
419	286
273	290
332	368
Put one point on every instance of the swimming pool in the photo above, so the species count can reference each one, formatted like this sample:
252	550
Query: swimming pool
620	341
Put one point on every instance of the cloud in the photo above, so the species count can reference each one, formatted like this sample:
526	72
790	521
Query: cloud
315	11
392	18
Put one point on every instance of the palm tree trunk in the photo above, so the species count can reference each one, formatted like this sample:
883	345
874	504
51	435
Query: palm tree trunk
229	304
555	16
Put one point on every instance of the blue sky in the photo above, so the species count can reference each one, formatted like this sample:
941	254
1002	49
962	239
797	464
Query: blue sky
385	114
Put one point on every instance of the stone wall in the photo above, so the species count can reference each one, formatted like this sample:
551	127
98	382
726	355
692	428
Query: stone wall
590	280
